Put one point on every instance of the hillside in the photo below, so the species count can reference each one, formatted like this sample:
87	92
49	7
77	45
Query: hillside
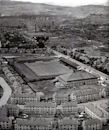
8	8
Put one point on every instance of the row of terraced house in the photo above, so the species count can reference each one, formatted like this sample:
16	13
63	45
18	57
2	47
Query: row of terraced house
11	78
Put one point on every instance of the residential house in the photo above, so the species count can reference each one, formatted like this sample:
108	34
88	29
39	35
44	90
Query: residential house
3	111
46	109
5	123
1	91
68	124
30	124
85	95
8	74
69	108
13	110
96	113
22	98
92	124
63	95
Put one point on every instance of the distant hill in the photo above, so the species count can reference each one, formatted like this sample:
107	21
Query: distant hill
8	8
96	19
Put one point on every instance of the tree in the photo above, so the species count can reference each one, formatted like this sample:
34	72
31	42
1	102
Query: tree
41	40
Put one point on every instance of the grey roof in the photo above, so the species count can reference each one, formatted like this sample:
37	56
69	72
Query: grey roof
12	106
69	104
23	95
91	121
75	76
4	119
95	110
73	64
41	104
87	91
68	122
35	122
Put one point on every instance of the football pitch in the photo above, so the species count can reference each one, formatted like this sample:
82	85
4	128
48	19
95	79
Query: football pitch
33	71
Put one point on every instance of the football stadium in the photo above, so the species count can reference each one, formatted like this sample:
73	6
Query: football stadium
40	69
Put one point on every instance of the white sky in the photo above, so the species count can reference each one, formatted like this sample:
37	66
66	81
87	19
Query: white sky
69	2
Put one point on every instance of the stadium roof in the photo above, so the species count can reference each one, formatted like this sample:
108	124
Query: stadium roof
80	75
45	86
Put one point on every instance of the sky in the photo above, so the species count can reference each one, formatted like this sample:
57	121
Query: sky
69	2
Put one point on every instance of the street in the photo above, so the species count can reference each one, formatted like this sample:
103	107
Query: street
6	92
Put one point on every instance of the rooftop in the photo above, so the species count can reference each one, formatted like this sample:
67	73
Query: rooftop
35	122
3	111
12	106
4	119
23	95
34	58
95	110
69	104
41	104
45	86
87	91
68	122
91	121
73	64
75	76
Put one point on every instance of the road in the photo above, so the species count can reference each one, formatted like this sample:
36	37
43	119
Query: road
6	92
83	66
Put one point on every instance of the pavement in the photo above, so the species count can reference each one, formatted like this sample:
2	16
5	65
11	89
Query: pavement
6	92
